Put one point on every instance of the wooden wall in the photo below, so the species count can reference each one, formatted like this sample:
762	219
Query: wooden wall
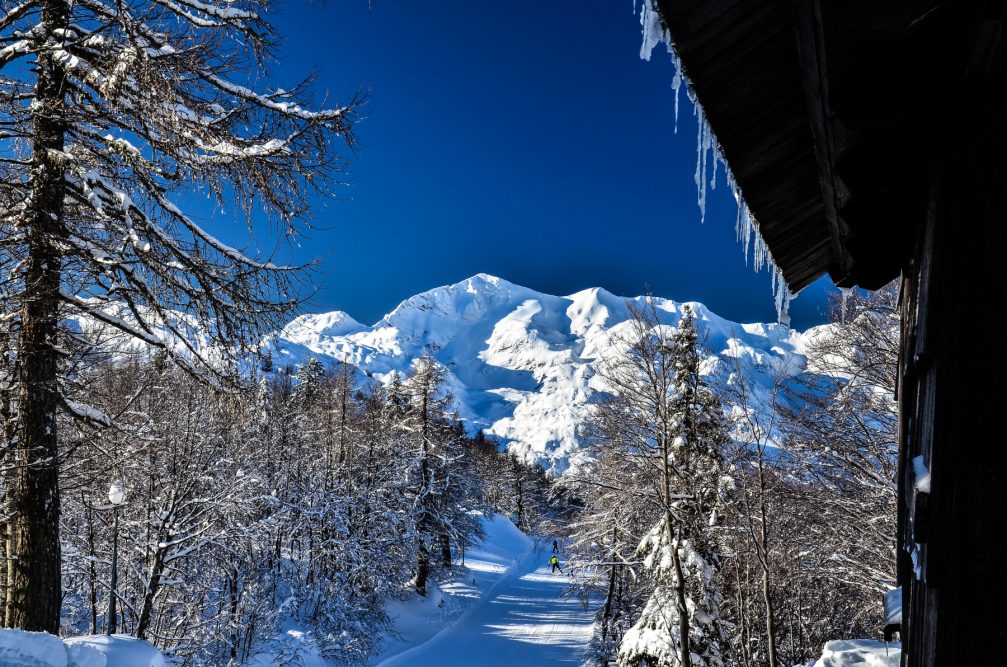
953	393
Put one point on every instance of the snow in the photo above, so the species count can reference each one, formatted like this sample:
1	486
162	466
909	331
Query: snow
860	653
520	616
119	650
921	475
88	413
38	649
31	649
893	606
523	364
503	607
294	647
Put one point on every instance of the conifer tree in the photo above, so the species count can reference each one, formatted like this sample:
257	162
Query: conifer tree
439	487
669	425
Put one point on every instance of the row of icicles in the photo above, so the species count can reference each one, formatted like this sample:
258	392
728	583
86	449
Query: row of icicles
708	156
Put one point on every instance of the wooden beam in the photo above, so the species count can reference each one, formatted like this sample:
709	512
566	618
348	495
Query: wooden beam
814	75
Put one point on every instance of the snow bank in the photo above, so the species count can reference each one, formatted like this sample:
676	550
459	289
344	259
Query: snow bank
38	649
294	646
116	651
32	649
860	653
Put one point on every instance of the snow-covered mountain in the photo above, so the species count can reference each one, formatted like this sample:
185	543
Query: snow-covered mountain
521	364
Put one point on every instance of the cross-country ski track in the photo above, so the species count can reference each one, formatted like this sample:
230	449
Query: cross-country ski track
521	618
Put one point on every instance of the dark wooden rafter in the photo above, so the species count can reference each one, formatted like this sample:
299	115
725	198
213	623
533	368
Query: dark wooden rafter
817	118
811	49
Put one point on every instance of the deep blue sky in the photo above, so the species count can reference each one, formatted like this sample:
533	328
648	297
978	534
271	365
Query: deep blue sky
526	139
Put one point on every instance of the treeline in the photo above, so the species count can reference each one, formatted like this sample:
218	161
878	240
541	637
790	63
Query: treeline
311	499
746	539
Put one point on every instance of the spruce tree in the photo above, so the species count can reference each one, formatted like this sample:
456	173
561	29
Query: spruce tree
670	426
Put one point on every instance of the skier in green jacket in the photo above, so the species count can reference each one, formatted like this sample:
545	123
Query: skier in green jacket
555	565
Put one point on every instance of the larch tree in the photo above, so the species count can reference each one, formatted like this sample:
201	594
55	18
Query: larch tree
440	485
109	113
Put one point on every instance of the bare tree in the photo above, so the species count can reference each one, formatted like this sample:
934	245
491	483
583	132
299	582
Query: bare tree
107	109
845	431
813	514
758	433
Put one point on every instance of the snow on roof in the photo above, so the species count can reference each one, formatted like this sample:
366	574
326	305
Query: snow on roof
893	606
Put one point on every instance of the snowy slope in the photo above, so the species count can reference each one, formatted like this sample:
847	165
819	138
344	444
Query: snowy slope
522	364
518	614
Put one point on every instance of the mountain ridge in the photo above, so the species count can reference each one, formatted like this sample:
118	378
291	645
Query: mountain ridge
522	364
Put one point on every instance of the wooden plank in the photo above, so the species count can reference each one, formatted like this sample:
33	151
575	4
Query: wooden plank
814	76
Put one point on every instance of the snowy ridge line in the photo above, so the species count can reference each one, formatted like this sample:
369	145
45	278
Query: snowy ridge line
655	32
522	365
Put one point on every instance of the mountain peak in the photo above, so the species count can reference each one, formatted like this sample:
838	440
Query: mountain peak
485	279
522	364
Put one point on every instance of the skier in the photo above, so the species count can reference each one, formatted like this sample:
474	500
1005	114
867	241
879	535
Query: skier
555	547
555	565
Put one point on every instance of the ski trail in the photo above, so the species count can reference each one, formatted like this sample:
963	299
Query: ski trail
523	619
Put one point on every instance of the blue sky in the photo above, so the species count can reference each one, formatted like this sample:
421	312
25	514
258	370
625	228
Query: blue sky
523	139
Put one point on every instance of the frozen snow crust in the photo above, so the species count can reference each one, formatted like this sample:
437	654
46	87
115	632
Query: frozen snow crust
522	364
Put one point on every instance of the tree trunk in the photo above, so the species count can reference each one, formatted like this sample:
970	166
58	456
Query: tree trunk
422	527
153	585
766	579
422	567
518	493
684	653
445	550
33	567
6	474
92	570
770	623
232	581
608	602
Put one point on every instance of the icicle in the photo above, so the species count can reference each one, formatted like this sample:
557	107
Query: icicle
783	297
845	291
676	85
737	232
709	153
654	32
700	177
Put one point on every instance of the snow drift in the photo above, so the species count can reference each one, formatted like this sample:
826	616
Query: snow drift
38	649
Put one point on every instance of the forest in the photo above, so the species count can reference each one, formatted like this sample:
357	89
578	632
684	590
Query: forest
320	495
